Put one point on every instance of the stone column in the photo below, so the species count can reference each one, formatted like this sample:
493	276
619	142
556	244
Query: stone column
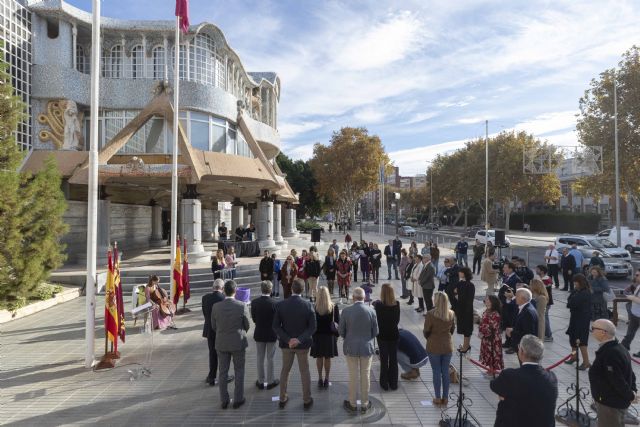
290	222
264	222
237	212
277	225
156	225
191	219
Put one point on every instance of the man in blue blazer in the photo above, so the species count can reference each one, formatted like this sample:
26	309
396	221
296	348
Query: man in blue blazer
526	319
358	328
208	300
294	322
527	394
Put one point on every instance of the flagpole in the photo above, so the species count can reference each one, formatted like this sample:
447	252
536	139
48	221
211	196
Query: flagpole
92	192
174	166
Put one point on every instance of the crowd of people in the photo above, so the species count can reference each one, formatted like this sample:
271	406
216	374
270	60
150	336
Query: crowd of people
516	309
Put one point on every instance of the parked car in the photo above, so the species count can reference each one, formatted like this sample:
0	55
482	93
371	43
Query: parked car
630	238
616	267
589	243
407	231
474	229
490	235
432	226
413	222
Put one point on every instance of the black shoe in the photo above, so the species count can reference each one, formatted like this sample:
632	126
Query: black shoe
308	404
564	289
365	408
320	383
393	387
410	302
325	383
385	387
390	278
348	406
404	297
208	380
557	286
283	403
236	405
397	278
213	382
274	384
225	405
510	351
636	354
419	309
259	385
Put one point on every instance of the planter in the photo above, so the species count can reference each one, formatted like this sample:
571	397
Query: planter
64	296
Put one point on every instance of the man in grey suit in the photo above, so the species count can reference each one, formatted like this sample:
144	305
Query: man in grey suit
294	323
358	328
230	321
427	282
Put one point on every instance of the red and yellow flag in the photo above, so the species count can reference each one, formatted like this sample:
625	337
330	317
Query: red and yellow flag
186	288
111	305
119	299
177	275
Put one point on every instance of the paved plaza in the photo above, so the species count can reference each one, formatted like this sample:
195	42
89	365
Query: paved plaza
44	382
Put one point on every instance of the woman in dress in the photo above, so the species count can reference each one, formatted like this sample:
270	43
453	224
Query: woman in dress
325	340
217	264
541	298
312	271
230	261
163	309
388	313
490	333
464	293
330	269
599	287
439	325
343	273
579	305
300	263
288	273
376	261
404	263
416	289
413	248
354	255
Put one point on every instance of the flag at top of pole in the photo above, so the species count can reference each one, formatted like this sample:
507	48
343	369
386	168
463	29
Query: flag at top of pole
182	12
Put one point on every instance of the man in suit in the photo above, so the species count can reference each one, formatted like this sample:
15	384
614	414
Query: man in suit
527	394
397	247
392	259
613	383
208	300
294	322
427	282
358	328
526	320
266	267
262	311
230	320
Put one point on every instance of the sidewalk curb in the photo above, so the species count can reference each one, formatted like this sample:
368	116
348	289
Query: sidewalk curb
64	296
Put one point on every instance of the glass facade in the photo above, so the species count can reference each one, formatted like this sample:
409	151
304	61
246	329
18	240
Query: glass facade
15	46
204	131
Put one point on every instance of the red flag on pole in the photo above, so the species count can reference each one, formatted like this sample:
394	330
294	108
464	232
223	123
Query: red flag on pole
185	275
111	305
119	297
177	275
182	12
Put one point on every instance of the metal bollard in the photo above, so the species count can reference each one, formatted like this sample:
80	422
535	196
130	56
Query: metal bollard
527	257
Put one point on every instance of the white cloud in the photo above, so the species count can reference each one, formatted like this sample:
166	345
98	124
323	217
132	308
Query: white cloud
549	122
421	117
414	160
452	102
302	152
471	120
291	130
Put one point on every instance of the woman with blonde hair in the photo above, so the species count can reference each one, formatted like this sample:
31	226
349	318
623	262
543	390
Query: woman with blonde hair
288	273
388	313
217	264
541	297
325	340
439	325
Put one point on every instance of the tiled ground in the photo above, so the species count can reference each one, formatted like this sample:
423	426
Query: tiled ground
44	382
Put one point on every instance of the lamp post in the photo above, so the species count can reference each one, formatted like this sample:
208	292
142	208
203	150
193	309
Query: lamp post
361	221
486	175
429	163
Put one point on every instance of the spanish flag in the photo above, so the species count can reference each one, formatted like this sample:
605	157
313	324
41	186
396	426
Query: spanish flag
111	305
119	298
186	288
176	289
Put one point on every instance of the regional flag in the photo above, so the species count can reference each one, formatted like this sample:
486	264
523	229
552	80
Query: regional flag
185	275
182	12
119	298
177	275
110	304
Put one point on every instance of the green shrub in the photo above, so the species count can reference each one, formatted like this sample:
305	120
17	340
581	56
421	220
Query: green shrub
307	225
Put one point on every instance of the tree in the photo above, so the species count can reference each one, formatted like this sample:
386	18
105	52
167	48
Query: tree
300	177
31	209
348	167
596	128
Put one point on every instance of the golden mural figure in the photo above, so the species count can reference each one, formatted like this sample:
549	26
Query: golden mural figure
65	125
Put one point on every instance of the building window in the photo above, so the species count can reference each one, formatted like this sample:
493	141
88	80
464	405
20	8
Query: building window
137	62
565	188
113	63
158	63
82	63
207	67
183	62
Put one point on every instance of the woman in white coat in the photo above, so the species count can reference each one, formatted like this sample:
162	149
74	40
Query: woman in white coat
416	289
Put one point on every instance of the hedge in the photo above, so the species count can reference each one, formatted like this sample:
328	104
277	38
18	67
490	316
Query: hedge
559	222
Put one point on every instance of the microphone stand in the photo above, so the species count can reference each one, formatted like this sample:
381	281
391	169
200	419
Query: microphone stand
464	417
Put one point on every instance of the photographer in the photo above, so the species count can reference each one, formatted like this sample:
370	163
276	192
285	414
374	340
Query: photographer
489	273
525	273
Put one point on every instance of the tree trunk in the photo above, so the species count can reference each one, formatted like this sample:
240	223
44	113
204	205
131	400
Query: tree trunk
507	215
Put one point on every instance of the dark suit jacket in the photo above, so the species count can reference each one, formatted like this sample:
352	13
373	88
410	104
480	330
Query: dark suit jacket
207	305
530	393
526	323
294	318
427	277
262	310
397	247
230	320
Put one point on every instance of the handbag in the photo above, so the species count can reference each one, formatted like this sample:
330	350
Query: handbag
334	325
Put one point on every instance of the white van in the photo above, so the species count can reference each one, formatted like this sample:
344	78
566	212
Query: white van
630	238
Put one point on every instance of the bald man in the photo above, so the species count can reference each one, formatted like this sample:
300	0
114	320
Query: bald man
613	383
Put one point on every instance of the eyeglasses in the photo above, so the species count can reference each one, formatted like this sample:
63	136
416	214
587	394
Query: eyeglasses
596	329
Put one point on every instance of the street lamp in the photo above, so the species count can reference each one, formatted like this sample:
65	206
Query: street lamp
430	200
617	165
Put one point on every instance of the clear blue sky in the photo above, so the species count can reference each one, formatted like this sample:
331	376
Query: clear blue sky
423	75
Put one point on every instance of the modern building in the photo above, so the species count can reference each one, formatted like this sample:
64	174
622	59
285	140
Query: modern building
228	127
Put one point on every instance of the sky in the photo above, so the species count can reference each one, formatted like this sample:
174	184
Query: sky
422	75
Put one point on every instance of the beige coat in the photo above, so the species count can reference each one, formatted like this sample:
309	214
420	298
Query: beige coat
488	274
541	307
438	333
416	289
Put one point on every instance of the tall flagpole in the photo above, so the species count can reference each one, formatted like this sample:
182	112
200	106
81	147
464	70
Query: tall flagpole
486	174
174	165
92	191
617	164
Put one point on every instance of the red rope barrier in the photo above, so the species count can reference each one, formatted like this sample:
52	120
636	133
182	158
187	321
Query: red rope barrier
636	360
559	362
555	365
